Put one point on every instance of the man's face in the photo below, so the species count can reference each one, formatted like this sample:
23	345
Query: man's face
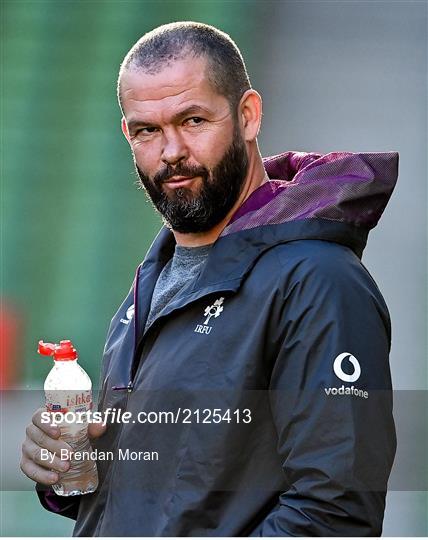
188	151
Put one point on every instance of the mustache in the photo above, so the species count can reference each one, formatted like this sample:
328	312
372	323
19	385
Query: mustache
179	170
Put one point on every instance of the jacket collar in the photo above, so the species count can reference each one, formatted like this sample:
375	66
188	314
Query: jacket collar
232	256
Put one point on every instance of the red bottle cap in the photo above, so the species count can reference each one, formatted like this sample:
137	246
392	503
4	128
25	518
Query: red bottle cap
63	351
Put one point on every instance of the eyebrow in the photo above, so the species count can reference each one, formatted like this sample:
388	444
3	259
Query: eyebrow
193	109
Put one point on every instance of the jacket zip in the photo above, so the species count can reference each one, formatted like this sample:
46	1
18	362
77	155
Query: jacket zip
129	387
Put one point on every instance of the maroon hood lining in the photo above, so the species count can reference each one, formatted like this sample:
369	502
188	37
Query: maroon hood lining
343	186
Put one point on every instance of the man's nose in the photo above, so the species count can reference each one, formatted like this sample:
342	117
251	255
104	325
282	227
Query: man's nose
174	149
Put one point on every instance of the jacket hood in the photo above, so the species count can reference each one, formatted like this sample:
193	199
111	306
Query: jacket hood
345	187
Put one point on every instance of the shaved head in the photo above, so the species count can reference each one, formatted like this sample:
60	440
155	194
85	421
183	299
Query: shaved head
172	42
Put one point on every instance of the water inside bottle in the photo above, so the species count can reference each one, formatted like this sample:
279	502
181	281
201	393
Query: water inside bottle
82	476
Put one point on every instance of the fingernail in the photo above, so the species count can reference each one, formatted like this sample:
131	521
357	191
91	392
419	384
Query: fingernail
53	477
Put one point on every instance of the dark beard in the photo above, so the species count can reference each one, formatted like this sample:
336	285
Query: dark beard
186	212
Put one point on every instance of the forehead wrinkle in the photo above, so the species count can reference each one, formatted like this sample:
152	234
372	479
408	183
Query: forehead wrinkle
156	99
167	107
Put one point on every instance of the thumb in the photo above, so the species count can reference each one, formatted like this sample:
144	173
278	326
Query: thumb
96	429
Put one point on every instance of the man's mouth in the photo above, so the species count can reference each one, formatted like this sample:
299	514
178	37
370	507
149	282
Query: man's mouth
179	181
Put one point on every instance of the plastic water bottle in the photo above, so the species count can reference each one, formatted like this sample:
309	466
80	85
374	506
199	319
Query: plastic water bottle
68	388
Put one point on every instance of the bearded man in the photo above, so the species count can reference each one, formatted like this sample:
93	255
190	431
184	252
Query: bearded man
251	320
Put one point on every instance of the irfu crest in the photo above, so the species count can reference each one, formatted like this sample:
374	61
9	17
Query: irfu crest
214	310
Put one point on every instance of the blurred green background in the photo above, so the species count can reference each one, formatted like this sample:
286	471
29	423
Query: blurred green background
333	75
74	225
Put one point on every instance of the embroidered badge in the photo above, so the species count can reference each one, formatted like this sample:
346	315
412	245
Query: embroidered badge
214	310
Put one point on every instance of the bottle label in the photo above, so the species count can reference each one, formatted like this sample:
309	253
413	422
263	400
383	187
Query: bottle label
66	401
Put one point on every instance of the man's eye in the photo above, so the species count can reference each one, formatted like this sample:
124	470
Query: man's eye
194	121
145	131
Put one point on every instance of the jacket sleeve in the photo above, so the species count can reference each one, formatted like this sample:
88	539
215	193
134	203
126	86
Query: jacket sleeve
63	506
331	400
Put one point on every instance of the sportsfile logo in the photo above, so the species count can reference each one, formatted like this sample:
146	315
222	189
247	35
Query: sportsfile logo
346	377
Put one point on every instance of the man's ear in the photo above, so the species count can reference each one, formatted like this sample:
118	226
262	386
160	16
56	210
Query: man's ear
125	129
250	112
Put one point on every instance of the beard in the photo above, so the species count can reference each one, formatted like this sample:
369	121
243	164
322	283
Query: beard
187	212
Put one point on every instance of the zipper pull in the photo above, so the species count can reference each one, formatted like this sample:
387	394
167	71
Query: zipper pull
129	387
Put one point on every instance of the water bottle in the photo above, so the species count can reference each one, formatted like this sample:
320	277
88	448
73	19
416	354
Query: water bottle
68	389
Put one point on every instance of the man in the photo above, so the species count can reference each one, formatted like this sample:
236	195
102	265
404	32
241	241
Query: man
251	312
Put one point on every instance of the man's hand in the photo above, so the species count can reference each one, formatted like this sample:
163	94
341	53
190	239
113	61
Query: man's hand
43	436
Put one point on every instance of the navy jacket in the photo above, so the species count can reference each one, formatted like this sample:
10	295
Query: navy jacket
272	365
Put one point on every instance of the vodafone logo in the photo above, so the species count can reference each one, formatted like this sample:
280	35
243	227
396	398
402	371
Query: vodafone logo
337	366
130	312
129	315
349	378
